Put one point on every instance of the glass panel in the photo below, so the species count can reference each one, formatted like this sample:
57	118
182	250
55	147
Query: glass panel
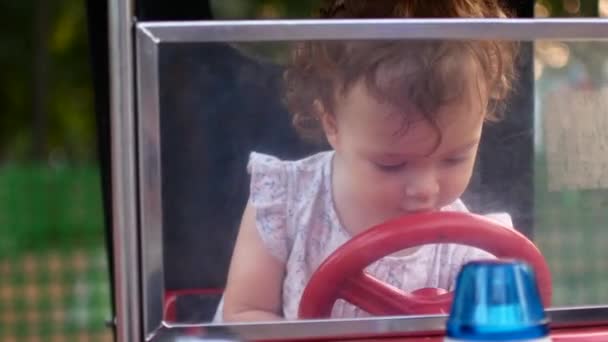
219	102
570	163
325	139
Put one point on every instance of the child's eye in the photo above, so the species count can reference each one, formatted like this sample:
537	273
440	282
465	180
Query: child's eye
454	161
390	167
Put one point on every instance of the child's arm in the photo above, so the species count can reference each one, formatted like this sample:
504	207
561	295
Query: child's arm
255	280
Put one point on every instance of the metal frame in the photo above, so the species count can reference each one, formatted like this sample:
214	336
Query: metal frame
149	37
281	30
150	190
359	328
124	196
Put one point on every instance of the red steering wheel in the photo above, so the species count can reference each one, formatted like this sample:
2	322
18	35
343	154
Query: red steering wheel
341	275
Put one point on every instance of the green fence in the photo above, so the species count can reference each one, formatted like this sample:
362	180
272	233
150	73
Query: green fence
571	229
42	208
53	270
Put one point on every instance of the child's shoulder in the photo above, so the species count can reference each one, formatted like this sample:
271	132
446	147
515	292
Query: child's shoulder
288	181
267	163
282	191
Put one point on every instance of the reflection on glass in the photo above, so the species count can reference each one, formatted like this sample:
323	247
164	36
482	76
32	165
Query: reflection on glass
570	178
343	136
403	123
304	145
324	147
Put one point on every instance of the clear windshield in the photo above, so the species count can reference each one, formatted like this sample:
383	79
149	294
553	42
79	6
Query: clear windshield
297	147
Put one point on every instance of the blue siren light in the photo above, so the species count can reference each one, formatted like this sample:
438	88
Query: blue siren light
497	300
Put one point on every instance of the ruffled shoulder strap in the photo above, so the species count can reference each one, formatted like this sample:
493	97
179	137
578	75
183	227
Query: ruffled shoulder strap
269	195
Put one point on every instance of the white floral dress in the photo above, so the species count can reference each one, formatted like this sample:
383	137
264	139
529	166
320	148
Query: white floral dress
297	221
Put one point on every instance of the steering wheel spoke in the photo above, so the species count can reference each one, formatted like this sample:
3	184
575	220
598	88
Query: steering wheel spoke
381	299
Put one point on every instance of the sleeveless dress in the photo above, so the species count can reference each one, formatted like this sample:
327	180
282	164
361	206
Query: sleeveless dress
298	224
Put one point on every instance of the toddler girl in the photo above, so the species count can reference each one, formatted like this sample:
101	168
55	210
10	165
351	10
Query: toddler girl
404	120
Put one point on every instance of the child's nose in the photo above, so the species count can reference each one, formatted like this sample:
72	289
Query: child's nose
422	188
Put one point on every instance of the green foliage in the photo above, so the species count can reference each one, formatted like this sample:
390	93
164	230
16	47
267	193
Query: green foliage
72	126
570	8
44	46
252	9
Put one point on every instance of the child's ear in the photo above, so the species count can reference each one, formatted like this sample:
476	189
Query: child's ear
328	122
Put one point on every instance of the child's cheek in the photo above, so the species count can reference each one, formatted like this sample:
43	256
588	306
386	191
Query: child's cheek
390	189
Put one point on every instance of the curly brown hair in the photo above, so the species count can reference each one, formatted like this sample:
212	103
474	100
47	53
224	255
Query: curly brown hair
426	74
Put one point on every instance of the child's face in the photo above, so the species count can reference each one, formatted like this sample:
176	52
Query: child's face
391	172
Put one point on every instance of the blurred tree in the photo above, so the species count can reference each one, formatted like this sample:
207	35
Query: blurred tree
588	56
14	78
263	9
45	89
40	78
568	8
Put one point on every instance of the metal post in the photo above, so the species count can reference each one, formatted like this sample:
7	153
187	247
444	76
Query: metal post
125	238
